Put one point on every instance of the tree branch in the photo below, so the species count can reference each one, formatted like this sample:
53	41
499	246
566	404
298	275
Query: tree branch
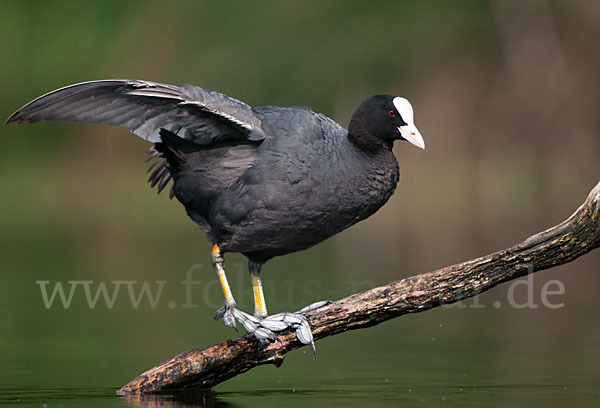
205	368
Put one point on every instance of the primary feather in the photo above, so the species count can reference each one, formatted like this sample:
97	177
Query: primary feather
200	115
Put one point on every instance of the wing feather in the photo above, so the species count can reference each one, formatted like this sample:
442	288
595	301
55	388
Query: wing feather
200	115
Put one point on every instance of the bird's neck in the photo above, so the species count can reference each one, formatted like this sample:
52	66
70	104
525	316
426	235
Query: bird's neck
360	136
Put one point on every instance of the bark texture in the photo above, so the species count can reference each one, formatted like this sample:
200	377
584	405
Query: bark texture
205	368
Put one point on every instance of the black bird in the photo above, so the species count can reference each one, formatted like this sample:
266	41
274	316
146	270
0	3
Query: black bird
263	181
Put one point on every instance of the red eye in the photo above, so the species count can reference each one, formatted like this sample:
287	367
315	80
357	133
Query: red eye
391	113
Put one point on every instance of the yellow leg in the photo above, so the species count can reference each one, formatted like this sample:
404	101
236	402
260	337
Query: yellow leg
260	306
218	264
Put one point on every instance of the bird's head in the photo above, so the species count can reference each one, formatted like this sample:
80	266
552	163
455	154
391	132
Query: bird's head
382	119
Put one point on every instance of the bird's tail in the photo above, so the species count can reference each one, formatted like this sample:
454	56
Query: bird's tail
171	149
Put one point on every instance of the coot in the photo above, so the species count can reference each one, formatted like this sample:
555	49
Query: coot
263	181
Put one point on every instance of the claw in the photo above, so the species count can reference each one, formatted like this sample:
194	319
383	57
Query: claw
314	350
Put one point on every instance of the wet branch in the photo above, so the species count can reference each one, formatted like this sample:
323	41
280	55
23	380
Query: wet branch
205	368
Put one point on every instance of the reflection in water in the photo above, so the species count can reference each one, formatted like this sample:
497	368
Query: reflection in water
199	398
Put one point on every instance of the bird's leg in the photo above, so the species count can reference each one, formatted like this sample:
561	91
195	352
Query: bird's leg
279	321
230	312
260	306
260	325
225	312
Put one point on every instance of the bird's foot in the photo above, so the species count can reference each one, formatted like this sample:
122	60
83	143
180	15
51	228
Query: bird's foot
297	321
231	313
264	329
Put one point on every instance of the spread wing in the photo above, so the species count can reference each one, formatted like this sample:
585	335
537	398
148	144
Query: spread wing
200	115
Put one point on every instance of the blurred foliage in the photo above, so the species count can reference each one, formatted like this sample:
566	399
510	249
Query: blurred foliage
506	95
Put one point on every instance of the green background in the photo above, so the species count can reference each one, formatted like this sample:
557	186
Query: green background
506	95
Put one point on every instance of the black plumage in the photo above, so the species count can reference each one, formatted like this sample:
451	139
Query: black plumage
262	181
